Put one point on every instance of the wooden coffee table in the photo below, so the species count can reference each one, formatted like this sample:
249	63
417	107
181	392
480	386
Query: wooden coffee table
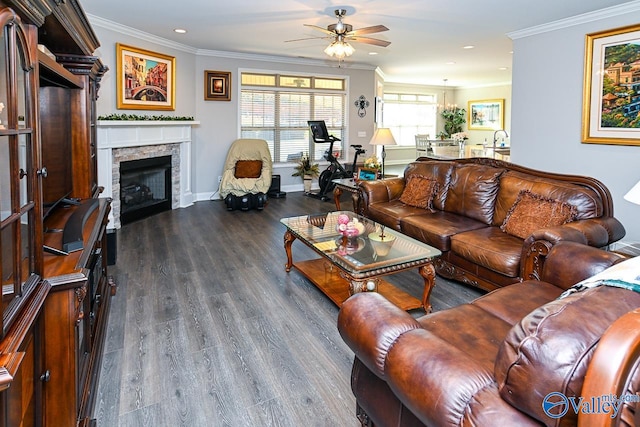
348	266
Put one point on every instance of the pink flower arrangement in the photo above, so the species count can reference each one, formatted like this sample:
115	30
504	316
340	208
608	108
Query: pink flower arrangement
349	227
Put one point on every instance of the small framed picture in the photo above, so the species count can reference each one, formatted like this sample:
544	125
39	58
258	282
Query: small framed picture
217	85
365	174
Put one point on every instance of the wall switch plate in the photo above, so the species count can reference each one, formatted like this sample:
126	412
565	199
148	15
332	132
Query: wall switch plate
362	134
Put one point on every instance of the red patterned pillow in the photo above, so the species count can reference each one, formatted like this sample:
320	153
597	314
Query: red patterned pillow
419	192
531	212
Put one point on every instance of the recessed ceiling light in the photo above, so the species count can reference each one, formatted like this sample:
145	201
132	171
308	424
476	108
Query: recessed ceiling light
468	46
180	31
450	63
373	53
503	68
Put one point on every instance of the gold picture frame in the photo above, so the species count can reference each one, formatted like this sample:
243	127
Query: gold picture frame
145	80
217	85
611	103
486	114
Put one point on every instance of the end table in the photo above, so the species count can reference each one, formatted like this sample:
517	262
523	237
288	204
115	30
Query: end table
349	185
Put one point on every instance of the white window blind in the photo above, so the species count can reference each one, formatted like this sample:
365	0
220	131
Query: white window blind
279	115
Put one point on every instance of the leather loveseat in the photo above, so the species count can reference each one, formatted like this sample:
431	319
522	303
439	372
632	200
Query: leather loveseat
505	358
491	219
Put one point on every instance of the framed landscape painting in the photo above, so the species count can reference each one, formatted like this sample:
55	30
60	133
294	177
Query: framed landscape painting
145	80
611	98
486	114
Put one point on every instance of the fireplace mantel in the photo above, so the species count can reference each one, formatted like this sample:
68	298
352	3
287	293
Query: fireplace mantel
129	134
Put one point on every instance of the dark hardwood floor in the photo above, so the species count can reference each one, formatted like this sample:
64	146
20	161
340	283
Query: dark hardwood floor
207	329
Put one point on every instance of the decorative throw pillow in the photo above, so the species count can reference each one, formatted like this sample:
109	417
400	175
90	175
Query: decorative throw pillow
531	212
248	169
419	192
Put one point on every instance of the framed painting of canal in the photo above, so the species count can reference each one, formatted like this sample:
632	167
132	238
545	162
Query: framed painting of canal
487	114
217	85
611	98
145	80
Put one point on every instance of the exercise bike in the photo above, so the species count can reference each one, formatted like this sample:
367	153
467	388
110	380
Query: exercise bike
335	169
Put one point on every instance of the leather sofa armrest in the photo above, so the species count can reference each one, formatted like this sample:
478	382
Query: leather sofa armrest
596	232
566	263
412	360
379	191
613	371
434	379
370	325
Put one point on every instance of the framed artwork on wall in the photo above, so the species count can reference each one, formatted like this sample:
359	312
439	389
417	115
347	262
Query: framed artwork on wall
487	114
145	80
611	98
217	85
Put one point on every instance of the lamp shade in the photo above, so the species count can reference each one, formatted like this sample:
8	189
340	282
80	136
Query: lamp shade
383	136
633	195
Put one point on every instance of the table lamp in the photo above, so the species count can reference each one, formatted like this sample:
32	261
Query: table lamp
383	137
633	195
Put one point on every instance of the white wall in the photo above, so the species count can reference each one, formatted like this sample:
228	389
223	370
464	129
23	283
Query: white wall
547	110
219	120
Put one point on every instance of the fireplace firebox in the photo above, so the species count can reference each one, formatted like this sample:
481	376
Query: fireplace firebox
145	188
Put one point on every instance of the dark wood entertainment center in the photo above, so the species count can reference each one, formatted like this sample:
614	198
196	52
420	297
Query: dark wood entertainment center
54	306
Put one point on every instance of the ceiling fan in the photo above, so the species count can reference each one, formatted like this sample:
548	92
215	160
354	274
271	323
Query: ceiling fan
342	33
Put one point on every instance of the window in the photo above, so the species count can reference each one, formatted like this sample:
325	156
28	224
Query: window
408	115
276	108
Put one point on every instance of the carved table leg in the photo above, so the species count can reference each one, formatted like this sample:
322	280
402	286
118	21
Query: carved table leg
337	192
428	272
288	241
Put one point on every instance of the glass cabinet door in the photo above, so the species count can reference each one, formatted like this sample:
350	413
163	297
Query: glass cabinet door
18	177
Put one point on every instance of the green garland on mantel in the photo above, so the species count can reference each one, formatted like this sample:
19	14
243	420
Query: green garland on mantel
133	117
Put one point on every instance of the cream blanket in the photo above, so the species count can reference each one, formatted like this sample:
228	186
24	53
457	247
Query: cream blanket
246	149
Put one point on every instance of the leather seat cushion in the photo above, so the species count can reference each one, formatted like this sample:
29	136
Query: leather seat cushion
471	330
437	228
391	213
491	248
549	349
508	303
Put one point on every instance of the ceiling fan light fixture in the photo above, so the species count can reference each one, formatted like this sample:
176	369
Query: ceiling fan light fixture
339	49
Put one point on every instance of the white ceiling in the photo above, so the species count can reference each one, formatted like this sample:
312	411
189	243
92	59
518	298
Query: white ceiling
425	35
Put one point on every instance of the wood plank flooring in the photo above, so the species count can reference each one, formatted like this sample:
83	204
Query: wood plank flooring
207	329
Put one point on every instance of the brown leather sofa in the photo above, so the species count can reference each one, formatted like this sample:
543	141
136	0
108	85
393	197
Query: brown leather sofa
473	200
494	361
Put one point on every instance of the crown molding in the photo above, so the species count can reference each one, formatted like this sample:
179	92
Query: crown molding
132	32
96	21
609	12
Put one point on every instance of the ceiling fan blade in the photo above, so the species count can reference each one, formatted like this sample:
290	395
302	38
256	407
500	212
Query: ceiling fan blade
324	30
308	38
369	40
368	30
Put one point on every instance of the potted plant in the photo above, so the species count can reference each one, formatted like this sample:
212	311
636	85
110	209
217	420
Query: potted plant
307	171
454	118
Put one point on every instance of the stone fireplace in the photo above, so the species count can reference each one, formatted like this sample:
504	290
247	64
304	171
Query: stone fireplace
125	141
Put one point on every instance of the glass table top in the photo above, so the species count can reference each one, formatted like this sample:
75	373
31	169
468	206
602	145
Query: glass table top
375	248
